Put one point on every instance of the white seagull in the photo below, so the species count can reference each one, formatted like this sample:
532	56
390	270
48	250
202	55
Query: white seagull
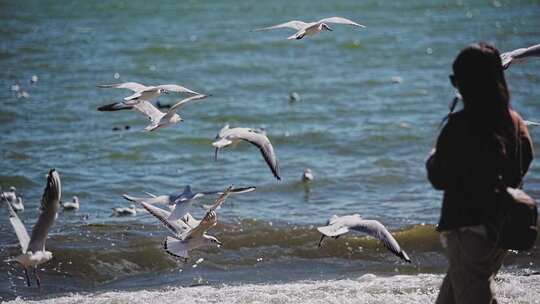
124	211
73	205
180	203
13	199
188	233
339	225
311	28
307	176
148	93
157	118
519	55
228	136
33	248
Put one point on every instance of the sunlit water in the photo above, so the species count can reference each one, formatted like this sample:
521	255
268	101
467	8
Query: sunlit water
371	101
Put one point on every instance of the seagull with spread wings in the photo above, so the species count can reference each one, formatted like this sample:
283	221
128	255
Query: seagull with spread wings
180	202
148	93
339	225
228	136
311	28
157	118
188	233
33	248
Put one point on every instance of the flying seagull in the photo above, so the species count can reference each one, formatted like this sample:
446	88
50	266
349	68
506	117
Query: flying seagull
181	202
228	136
148	93
188	234
519	55
339	225
33	248
311	28
157	118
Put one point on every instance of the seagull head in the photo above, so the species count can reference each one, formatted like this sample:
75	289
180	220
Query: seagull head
12	189
213	241
325	27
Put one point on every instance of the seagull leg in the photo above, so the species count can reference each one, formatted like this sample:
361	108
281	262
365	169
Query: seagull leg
320	242
27	277
38	280
336	237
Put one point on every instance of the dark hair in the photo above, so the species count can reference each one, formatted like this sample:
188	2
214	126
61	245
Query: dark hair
479	77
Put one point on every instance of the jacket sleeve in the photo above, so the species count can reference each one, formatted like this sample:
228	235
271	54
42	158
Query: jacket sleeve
442	165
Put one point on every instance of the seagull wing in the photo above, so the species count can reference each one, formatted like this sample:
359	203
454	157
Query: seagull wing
378	231
295	24
235	191
220	200
50	202
339	20
162	199
181	208
175	227
19	228
263	143
149	110
210	219
181	103
177	89
133	86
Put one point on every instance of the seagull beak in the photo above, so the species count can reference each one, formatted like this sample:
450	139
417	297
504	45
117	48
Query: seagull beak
329	28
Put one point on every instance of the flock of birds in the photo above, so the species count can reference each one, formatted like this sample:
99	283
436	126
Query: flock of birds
185	232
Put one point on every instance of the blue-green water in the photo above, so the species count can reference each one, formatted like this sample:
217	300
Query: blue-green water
364	136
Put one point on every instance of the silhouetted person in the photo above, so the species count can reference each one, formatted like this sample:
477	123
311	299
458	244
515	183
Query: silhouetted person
476	151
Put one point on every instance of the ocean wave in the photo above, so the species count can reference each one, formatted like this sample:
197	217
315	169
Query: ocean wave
369	288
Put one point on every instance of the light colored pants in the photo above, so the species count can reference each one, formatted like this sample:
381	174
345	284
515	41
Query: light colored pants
473	263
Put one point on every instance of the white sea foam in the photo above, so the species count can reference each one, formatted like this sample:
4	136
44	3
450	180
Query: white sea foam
369	288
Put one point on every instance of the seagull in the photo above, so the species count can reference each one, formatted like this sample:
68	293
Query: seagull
181	202
157	118
532	123
311	28
519	55
124	211
33	248
148	93
188	233
227	136
73	205
337	226
13	199
307	176
18	204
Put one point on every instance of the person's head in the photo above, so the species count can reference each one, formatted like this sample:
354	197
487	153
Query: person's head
479	77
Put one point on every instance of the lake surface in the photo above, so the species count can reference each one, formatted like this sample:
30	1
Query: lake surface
371	101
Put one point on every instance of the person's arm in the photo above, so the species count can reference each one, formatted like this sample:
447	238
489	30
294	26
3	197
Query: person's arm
441	164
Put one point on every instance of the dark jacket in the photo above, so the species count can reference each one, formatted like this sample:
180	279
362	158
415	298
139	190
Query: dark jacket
467	164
